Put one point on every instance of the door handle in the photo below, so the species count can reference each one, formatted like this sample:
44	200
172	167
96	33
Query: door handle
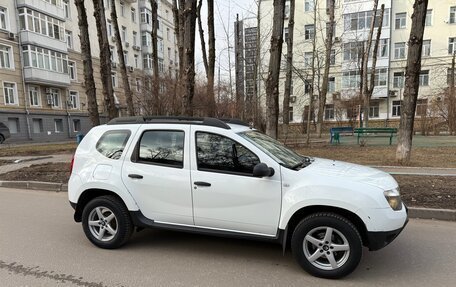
138	176
202	183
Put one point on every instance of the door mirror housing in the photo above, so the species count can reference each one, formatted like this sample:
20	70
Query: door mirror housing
262	170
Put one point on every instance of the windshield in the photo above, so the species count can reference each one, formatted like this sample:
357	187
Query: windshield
273	148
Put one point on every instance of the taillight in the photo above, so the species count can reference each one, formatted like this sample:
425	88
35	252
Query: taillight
71	166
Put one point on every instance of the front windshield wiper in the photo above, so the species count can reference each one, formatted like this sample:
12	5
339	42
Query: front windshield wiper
305	162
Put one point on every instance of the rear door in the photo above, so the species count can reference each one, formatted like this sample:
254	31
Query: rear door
157	173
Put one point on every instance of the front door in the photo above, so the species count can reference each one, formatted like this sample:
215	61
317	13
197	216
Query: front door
157	173
225	194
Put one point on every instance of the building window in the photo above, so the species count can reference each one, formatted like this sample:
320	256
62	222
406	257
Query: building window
428	17
401	20
168	34
37	126
34	96
451	45
352	51
66	7
374	110
112	52
136	57
287	9
41	23
351	79
133	15
426	51
308	59
13	125
146	16
146	39
161	66
69	39
58	124
397	108
109	25
138	85
122	9
76	125
383	48
114	79
328	25
53	97
309	31
73	101
421	107
332	58
399	50
290	114
309	5
72	70
453	15
424	78
10	93
362	20
398	80
147	61
6	57
45	59
135	39
329	112
331	84
4	18
125	57
381	77
123	33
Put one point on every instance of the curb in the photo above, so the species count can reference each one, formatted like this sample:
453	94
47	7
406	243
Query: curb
414	212
36	185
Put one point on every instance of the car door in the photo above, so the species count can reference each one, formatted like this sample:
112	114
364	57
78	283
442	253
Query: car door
225	194
157	173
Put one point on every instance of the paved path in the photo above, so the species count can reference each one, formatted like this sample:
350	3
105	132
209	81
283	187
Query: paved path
41	245
26	161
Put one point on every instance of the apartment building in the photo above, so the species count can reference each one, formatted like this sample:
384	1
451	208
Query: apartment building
352	24
42	95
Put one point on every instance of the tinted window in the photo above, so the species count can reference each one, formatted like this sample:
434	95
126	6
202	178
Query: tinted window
162	147
112	143
216	152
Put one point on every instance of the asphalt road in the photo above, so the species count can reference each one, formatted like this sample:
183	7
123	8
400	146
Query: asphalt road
40	245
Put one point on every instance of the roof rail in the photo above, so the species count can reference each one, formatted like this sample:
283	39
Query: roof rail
235	122
170	119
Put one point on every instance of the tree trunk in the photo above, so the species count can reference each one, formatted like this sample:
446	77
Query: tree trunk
156	77
239	68
365	73
371	86
415	43
105	58
289	70
324	88
179	31
272	82
255	103
189	17
312	86
120	55
451	99
86	54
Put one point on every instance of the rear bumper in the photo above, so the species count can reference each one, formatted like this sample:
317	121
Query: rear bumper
378	240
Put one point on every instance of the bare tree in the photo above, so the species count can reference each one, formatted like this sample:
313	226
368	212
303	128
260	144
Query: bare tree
324	87
156	75
189	20
105	58
209	64
314	70
451	98
272	82
120	55
179	31
86	53
289	70
415	43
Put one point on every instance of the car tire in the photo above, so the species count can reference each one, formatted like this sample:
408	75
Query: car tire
2	138
106	222
327	245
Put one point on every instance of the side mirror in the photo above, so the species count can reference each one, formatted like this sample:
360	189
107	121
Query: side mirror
262	170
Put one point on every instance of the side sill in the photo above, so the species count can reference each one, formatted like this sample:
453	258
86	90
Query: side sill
140	220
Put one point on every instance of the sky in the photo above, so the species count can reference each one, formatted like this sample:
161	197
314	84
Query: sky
225	14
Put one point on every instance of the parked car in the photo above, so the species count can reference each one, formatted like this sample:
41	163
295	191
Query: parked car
224	178
4	132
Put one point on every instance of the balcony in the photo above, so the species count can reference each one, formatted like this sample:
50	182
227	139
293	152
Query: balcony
44	7
33	38
45	77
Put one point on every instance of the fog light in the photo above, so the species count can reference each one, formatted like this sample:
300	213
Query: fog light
394	199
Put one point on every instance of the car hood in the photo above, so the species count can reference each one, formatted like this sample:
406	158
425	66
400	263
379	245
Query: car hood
351	172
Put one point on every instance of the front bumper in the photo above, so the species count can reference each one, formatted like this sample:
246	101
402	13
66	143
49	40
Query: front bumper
378	240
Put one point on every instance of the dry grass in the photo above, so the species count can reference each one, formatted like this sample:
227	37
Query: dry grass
41	149
384	155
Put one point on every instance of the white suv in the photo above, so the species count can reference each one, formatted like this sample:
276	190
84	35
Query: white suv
223	178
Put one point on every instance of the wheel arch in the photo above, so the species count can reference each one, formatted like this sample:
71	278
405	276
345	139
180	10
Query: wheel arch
87	196
308	210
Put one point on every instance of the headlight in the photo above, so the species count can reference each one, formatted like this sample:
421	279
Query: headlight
394	198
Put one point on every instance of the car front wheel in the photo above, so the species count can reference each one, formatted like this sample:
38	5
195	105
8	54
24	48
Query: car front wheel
106	222
327	245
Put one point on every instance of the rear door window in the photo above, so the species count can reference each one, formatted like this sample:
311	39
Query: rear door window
112	143
162	147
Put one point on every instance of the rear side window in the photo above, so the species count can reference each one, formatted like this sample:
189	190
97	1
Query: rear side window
112	143
162	148
221	154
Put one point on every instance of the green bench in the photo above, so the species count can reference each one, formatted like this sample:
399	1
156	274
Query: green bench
386	132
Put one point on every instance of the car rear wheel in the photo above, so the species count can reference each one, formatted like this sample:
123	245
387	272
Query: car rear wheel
106	222
2	139
327	245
